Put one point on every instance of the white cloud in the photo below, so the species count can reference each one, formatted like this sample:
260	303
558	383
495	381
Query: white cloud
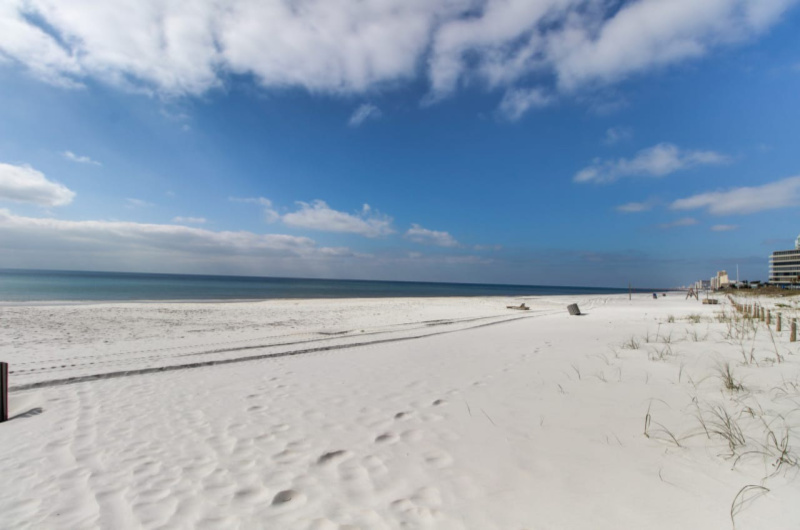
270	214
652	33
634	207
138	203
684	221
127	237
745	200
25	184
657	161
422	235
615	135
724	228
319	216
587	43
189	220
348	46
364	112
69	155
517	102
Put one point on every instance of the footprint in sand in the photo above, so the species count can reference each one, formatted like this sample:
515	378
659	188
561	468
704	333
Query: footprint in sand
387	438
429	497
438	459
333	456
288	499
374	465
412	435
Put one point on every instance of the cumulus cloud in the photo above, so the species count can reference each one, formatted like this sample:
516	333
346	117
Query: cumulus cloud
72	157
317	215
25	184
745	200
657	161
684	221
724	228
189	220
634	207
364	112
422	235
347	46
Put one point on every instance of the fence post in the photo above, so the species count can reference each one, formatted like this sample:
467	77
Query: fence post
793	331
778	323
3	392
769	318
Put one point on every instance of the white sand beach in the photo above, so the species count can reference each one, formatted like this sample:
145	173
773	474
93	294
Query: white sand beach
449	413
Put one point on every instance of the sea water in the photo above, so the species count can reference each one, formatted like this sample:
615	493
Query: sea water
73	286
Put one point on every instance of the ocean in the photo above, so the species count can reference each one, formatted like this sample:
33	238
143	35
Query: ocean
80	286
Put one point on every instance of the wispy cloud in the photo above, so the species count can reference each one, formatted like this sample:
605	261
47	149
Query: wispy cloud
138	203
657	161
189	220
634	207
745	200
518	101
684	221
365	111
24	184
72	157
317	215
114	236
422	235
724	228
615	135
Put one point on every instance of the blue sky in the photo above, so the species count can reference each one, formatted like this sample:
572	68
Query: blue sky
545	142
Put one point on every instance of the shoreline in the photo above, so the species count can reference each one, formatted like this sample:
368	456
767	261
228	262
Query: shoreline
34	303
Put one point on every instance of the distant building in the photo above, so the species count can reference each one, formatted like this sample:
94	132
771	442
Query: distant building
720	281
784	266
702	285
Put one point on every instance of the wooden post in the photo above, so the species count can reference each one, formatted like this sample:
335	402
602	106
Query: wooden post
3	392
769	318
762	312
778	322
793	331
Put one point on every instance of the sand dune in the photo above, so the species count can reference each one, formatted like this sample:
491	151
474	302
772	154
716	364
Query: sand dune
428	418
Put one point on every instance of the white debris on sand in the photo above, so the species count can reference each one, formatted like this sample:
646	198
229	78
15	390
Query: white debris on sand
399	413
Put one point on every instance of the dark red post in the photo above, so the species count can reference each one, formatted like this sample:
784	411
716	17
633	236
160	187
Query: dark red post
3	392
